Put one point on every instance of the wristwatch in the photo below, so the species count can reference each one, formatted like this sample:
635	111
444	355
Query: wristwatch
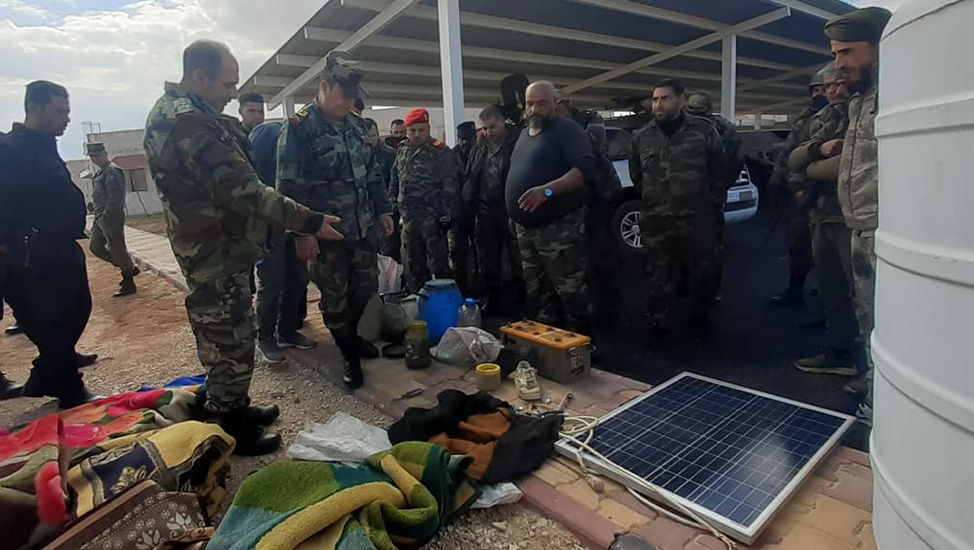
548	192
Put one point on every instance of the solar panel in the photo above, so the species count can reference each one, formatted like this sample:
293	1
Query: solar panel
730	454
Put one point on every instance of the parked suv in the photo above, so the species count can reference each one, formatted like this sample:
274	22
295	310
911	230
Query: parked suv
742	198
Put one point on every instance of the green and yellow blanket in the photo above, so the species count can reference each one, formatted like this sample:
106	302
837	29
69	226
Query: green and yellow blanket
398	499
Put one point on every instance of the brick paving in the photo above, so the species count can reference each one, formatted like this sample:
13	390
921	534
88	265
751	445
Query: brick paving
831	511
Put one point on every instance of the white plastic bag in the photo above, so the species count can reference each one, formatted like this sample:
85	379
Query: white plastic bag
343	438
467	345
497	495
390	275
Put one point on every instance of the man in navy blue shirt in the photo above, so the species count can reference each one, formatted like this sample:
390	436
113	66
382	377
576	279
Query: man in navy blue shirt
42	215
545	195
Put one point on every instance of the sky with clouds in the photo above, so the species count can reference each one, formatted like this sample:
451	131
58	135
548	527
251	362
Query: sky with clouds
114	55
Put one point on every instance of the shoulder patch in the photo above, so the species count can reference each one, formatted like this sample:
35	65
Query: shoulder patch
437	143
182	106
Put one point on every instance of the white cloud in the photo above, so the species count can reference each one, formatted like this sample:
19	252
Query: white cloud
114	62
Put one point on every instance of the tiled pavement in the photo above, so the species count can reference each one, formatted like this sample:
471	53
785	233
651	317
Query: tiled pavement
832	510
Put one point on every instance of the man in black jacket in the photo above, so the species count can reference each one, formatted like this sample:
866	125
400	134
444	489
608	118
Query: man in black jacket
42	214
483	193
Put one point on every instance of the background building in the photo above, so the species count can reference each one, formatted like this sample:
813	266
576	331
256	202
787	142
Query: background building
125	149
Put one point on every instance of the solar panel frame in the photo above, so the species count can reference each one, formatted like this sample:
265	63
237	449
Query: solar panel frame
747	534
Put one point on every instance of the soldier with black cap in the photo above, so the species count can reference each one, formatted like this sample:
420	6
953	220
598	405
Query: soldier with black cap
855	45
326	161
797	230
108	231
463	250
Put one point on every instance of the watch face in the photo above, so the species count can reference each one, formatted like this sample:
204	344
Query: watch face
548	193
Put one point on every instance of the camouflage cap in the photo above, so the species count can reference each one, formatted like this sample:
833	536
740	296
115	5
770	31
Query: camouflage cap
700	103
342	69
862	25
93	149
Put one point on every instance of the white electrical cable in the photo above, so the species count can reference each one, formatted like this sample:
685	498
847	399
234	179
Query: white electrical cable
576	426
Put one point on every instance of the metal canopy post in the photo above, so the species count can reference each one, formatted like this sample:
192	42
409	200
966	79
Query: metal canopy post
289	110
728	80
451	67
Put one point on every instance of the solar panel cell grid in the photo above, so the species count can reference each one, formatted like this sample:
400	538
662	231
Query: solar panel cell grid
727	450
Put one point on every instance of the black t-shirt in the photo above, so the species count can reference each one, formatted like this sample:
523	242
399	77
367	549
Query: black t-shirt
540	159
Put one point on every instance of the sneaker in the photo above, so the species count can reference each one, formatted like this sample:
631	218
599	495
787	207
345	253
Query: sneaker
859	386
269	350
831	362
13	330
526	381
296	341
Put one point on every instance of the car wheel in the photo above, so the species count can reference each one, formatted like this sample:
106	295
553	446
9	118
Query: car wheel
625	227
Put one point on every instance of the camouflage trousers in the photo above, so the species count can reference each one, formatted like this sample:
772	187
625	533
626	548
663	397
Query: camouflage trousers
347	275
716	280
464	264
833	270
493	241
108	242
221	314
554	260
680	255
864	275
425	252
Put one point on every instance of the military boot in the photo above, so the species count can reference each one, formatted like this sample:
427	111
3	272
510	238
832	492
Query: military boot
352	375
9	390
263	416
76	398
252	439
127	288
86	359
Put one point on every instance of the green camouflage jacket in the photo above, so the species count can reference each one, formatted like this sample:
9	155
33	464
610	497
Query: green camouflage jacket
797	136
217	210
680	175
732	146
424	182
820	175
108	191
859	168
331	166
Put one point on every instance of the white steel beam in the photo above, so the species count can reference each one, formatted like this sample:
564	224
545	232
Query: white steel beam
420	11
781	77
637	8
451	67
804	7
728	79
375	25
289	106
683	48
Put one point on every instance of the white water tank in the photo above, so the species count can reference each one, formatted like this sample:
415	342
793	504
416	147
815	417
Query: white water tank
923	346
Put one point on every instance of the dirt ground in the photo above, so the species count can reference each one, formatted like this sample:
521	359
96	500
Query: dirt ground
145	340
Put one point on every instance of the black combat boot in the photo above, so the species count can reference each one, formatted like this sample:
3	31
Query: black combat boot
252	439
86	359
127	288
76	398
9	390
352	375
263	416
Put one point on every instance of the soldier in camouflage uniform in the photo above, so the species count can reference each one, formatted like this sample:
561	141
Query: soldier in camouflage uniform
814	174
463	248
680	165
389	245
855	44
108	231
700	104
797	228
327	162
424	187
217	215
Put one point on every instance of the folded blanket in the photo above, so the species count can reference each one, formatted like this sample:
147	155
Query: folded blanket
400	498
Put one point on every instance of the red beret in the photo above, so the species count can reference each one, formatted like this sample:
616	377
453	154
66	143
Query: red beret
415	116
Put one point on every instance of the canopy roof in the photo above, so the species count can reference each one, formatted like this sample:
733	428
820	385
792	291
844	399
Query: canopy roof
597	51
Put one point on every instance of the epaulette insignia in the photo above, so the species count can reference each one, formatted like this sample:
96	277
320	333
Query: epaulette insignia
438	144
183	106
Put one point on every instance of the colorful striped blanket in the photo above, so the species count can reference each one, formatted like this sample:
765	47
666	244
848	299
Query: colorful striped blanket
398	499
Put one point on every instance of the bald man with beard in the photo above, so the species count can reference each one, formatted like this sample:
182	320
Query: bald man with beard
546	201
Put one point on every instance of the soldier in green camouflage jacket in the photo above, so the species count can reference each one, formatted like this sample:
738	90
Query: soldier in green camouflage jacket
797	231
326	161
679	164
814	176
425	188
217	214
108	229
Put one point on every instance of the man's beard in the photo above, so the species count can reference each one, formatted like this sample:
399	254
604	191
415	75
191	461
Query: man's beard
665	117
537	122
